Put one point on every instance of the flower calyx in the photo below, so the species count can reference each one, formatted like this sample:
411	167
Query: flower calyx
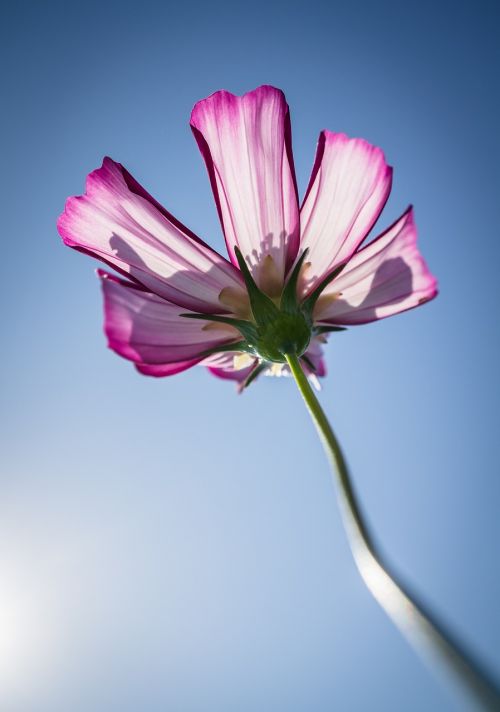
277	330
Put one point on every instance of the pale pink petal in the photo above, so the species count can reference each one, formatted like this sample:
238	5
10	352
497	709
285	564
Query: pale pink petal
349	186
119	223
246	144
223	366
386	277
146	329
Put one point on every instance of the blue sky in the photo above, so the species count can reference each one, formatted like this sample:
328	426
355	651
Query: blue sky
166	544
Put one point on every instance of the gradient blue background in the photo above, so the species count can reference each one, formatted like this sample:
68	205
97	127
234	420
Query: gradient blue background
165	544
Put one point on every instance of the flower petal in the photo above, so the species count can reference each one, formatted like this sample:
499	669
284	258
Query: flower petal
349	186
386	277
165	369
314	355
225	366
119	223
145	328
246	144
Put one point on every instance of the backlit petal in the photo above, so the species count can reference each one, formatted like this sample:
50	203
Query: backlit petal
119	223
314	354
349	186
146	329
246	144
165	369
386	277
225	366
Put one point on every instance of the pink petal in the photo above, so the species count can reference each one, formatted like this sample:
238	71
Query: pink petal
165	369
228	375
119	223
314	354
386	277
246	144
222	366
349	186
145	328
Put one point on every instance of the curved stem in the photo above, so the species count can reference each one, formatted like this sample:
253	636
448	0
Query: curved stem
417	624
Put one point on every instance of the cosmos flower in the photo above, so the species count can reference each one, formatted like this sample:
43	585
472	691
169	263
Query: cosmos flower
294	274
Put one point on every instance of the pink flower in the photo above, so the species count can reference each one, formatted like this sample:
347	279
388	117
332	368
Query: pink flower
293	274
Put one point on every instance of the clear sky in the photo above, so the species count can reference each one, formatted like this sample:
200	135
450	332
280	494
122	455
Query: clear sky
167	544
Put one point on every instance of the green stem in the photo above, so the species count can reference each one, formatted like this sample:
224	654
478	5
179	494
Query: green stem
414	620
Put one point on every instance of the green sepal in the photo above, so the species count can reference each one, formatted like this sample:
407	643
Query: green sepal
289	301
327	329
257	370
263	308
246	328
309	303
233	346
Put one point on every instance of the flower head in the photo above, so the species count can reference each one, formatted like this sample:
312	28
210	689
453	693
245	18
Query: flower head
294	275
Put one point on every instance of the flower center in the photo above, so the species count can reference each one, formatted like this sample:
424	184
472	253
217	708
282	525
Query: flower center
271	328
